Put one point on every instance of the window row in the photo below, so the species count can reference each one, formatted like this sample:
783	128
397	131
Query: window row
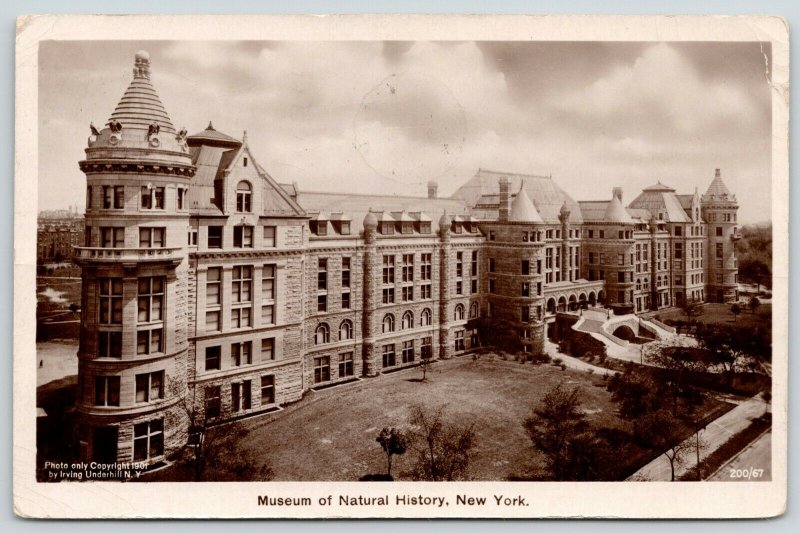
149	388
242	236
241	354
241	396
322	367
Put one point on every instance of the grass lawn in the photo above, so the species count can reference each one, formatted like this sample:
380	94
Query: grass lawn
721	314
330	434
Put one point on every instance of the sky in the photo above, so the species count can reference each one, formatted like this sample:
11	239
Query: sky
387	117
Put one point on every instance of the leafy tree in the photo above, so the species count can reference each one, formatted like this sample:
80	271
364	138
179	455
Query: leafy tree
692	308
657	431
635	392
735	309
442	449
730	345
425	363
559	429
394	442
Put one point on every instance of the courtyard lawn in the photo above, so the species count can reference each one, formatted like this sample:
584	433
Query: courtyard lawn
330	435
721	314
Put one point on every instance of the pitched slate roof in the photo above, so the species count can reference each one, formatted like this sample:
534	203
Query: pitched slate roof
522	208
210	136
140	106
661	199
483	190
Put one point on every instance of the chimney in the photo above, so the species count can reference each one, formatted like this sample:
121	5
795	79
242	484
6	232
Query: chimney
504	199
433	189
617	193
716	173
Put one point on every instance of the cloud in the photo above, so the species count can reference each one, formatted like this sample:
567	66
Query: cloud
388	116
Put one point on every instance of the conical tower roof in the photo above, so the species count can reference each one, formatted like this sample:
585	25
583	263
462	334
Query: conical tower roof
140	106
718	188
616	212
522	208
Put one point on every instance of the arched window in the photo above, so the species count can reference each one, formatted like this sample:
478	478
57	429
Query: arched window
345	330
244	195
388	324
459	312
322	334
408	320
473	310
425	318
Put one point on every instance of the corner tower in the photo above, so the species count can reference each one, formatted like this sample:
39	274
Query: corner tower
133	343
719	209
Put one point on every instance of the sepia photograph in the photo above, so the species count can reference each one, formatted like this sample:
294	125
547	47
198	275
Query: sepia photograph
409	260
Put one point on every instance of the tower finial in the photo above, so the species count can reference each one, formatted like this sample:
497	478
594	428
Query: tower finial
717	173
141	65
244	137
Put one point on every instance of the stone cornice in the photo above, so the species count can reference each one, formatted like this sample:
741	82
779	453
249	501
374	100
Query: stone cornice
136	167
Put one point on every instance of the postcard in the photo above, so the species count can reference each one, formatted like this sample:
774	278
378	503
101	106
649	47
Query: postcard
406	266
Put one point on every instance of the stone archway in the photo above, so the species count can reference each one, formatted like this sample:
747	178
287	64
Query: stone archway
573	303
601	297
592	299
625	332
562	304
582	301
551	306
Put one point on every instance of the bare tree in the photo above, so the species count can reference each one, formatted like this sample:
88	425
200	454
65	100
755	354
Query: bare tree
216	451
394	442
425	364
692	307
657	431
443	450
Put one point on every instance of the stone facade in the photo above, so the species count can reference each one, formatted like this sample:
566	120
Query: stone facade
212	292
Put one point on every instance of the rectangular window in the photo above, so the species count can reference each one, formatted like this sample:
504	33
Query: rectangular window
110	344
459	264
322	369
267	349
426	268
524	313
112	237
240	317
213	401
192	237
678	249
345	300
88	197
150	299
459	341
426	348
491	264
151	237
110	300
212	321
158	198
149	387
345	364
388	296
181	198
459	288
388	356
215	236
268	283
241	353
491	285
474	286
388	269
149	341
106	391
719	249
267	390
213	357
269	237
425	291
408	351
345	272
408	267
526	267
526	289
322	303
240	396
243	236
242	284
148	440
620	277
322	274
620	259
113	197
678	231
408	293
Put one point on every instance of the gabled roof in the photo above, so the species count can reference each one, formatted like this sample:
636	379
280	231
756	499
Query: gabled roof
685	200
483	189
662	203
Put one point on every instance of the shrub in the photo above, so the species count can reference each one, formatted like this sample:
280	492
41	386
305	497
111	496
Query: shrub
558	361
563	366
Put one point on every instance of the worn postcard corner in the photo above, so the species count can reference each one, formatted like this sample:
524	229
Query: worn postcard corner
317	266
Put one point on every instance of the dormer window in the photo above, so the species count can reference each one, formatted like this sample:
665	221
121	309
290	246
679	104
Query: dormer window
407	227
319	227
387	228
457	228
344	227
424	227
244	196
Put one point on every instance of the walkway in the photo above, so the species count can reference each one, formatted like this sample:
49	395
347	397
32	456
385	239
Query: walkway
573	362
715	434
754	463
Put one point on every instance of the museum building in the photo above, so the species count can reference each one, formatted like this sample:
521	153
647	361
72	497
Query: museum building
212	292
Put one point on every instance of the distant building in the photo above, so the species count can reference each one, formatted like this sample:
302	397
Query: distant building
208	283
57	234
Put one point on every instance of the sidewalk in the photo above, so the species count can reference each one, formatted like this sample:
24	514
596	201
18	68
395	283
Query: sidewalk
715	434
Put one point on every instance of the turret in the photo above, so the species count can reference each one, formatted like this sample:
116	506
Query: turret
719	208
